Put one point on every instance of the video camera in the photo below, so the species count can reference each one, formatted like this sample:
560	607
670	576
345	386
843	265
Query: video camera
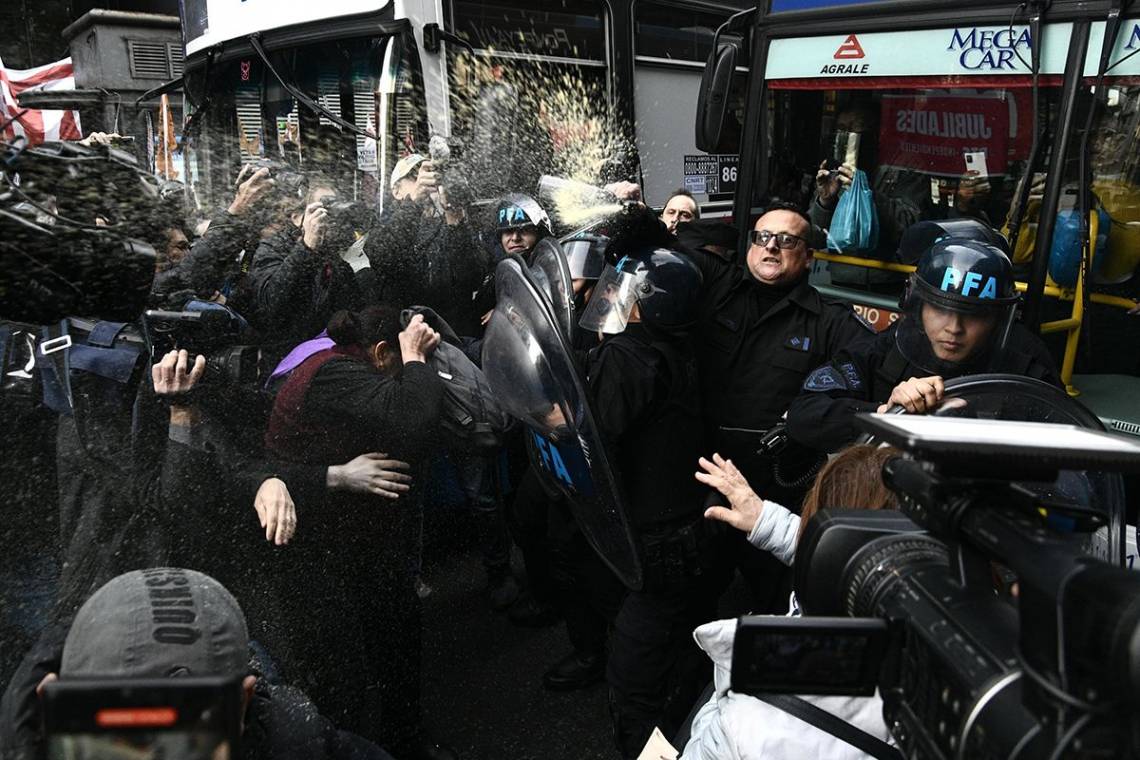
1051	670
214	332
56	259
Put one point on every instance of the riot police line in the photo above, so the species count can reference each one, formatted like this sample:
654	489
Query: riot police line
600	345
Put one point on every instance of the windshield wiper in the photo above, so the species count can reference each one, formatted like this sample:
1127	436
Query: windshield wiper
302	98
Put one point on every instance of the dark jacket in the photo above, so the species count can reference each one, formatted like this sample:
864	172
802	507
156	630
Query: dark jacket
295	291
753	359
420	260
861	378
214	260
647	405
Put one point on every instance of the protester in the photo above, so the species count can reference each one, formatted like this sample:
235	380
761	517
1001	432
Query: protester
353	562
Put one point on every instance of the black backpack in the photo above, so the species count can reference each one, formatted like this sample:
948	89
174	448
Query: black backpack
472	419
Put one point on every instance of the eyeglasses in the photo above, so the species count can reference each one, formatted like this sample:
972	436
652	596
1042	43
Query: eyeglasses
784	240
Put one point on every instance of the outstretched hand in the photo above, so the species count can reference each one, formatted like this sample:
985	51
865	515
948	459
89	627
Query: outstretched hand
373	473
746	506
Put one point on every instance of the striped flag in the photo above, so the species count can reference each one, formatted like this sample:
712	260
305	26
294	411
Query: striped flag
37	126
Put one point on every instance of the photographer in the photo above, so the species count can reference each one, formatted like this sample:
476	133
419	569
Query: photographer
298	279
118	636
422	251
214	260
348	580
958	319
741	726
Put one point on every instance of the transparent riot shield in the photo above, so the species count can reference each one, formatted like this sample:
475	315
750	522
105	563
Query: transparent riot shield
549	269
528	363
1016	398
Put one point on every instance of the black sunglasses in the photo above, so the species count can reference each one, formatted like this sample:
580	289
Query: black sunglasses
784	240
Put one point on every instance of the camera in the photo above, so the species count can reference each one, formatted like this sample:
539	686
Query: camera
212	331
344	219
1052	670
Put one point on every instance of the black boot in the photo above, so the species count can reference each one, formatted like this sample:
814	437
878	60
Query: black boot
576	670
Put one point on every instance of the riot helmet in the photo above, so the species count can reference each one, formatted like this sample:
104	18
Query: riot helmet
921	235
664	284
958	308
586	255
517	211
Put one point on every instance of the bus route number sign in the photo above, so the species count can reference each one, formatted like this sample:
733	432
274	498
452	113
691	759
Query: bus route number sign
711	174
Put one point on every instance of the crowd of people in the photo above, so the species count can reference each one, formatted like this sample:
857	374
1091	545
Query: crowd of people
303	492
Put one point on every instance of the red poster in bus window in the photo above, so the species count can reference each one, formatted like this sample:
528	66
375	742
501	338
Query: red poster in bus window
932	134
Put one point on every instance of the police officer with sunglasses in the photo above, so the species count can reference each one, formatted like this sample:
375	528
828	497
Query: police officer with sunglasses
762	329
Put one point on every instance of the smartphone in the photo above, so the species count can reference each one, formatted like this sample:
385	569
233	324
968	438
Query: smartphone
136	719
976	162
808	655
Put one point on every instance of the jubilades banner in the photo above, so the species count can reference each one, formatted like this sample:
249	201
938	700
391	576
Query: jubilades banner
933	134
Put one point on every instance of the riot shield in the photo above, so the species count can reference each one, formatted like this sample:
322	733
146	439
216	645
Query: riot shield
1016	398
528	363
550	270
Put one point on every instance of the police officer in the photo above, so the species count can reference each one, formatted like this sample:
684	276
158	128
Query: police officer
521	223
642	379
958	312
762	328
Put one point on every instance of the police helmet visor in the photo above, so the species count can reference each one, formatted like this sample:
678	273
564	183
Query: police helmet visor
949	336
612	302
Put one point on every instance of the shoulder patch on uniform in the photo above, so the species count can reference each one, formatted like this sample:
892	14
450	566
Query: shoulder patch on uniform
826	378
851	373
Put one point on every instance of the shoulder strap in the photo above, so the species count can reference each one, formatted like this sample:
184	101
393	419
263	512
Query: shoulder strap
889	373
831	724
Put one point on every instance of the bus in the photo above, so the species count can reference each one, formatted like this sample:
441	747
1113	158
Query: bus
1001	114
592	89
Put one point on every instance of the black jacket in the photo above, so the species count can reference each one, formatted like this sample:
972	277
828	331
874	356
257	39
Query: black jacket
295	291
214	258
419	260
647	405
753	360
860	379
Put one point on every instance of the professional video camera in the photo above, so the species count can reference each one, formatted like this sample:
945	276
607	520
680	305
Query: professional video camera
211	330
1051	670
74	223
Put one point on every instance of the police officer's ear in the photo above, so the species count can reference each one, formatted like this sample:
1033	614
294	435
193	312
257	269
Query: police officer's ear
247	685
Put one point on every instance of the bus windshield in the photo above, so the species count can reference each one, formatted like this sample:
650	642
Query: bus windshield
374	83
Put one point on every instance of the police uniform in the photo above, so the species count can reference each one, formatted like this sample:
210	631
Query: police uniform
646	397
955	274
756	344
823	415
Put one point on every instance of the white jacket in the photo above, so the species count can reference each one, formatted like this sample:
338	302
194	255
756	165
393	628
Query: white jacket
733	726
776	531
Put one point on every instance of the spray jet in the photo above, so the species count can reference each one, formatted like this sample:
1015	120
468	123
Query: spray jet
580	206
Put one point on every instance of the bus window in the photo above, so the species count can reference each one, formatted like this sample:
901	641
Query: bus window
534	99
671	45
374	83
942	135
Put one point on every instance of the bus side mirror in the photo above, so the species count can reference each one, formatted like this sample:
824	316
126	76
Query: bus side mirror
712	101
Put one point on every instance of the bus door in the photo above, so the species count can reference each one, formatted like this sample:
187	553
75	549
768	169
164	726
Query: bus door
939	121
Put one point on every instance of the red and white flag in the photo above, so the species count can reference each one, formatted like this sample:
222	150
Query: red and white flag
36	125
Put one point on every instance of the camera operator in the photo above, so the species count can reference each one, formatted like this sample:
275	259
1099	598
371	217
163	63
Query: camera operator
122	633
742	726
958	319
350	580
298	279
423	251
